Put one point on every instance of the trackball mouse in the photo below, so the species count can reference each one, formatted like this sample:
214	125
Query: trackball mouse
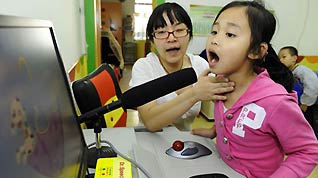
187	150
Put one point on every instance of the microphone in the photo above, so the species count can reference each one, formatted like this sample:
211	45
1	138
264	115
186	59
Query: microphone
147	92
157	88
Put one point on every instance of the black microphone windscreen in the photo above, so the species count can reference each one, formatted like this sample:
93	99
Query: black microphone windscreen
157	88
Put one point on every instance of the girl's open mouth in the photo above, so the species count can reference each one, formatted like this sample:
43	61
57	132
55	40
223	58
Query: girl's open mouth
213	58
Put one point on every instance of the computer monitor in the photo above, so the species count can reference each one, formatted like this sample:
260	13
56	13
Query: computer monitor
39	132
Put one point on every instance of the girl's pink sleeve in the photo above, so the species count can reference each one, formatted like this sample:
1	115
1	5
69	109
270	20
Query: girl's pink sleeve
297	139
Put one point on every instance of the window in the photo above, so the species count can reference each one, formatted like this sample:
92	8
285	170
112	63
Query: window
143	9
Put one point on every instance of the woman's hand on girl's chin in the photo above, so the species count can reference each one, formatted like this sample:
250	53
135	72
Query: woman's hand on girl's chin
212	88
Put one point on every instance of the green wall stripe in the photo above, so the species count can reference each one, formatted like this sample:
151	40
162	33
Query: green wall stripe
90	34
160	2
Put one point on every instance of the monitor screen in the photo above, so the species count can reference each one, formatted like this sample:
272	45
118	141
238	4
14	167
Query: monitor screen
39	132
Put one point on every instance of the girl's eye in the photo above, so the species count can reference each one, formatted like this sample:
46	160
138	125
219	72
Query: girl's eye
213	32
231	35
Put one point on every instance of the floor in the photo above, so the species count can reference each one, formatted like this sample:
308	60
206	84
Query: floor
132	115
199	122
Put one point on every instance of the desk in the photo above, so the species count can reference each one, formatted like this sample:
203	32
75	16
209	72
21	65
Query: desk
148	149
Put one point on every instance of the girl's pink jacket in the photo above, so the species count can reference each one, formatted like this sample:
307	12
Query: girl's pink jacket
265	124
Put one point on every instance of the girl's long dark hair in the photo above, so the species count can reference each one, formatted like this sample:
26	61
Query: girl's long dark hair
263	24
277	70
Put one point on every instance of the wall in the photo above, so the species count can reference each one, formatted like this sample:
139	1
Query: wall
297	24
66	17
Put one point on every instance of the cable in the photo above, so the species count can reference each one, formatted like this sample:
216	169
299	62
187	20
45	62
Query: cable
143	170
87	171
90	176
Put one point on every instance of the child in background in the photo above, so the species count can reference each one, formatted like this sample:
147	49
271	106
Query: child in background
307	97
260	121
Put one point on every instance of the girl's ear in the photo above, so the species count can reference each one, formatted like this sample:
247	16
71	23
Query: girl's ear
261	53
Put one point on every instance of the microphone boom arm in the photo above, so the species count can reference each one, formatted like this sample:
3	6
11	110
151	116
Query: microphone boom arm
144	93
95	113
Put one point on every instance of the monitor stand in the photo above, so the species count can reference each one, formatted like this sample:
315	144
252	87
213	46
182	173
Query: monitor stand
99	151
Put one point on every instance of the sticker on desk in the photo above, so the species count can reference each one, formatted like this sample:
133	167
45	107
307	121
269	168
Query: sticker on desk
113	168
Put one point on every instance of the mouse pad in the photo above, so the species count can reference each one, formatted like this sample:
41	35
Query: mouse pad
152	146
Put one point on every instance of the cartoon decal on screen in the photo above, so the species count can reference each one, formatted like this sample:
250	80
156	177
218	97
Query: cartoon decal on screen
20	124
39	127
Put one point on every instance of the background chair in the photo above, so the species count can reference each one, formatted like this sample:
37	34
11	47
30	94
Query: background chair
98	89
94	91
111	52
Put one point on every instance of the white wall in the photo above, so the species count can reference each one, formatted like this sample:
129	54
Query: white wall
297	24
67	19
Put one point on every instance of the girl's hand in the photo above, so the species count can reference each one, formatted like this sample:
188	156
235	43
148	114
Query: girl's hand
205	132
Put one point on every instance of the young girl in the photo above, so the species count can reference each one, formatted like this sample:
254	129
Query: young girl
260	122
170	30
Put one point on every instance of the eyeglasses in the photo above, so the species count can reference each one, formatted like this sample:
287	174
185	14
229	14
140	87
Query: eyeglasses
176	33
